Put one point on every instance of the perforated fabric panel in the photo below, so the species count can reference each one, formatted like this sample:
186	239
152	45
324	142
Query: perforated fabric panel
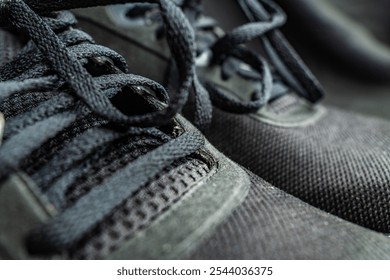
271	224
107	163
141	209
341	164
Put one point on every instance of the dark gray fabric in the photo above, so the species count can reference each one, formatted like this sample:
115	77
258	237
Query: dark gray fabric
373	15
334	164
104	164
141	209
271	224
95	188
341	164
9	46
285	104
48	136
362	53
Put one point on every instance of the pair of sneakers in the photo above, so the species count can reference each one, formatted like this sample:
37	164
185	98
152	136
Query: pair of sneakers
97	163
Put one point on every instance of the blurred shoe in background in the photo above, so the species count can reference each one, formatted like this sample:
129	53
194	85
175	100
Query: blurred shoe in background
346	43
266	114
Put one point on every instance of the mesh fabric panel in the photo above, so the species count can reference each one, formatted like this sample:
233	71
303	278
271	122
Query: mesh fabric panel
285	104
341	164
142	208
271	224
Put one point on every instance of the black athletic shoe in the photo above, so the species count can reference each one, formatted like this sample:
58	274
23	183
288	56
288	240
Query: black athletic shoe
93	165
266	114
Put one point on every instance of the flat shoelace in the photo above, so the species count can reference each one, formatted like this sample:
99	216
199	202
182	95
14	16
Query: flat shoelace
286	61
266	18
58	65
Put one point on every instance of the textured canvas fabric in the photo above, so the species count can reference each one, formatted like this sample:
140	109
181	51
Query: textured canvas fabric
340	164
268	224
138	211
271	224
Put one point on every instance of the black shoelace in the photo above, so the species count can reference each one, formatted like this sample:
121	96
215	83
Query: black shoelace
50	80
229	52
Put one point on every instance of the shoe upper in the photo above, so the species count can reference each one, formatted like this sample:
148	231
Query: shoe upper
266	115
80	183
266	211
334	160
87	158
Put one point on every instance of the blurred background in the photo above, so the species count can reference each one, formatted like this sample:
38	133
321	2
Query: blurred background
346	43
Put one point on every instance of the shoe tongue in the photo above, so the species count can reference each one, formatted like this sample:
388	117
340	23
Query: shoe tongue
10	45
